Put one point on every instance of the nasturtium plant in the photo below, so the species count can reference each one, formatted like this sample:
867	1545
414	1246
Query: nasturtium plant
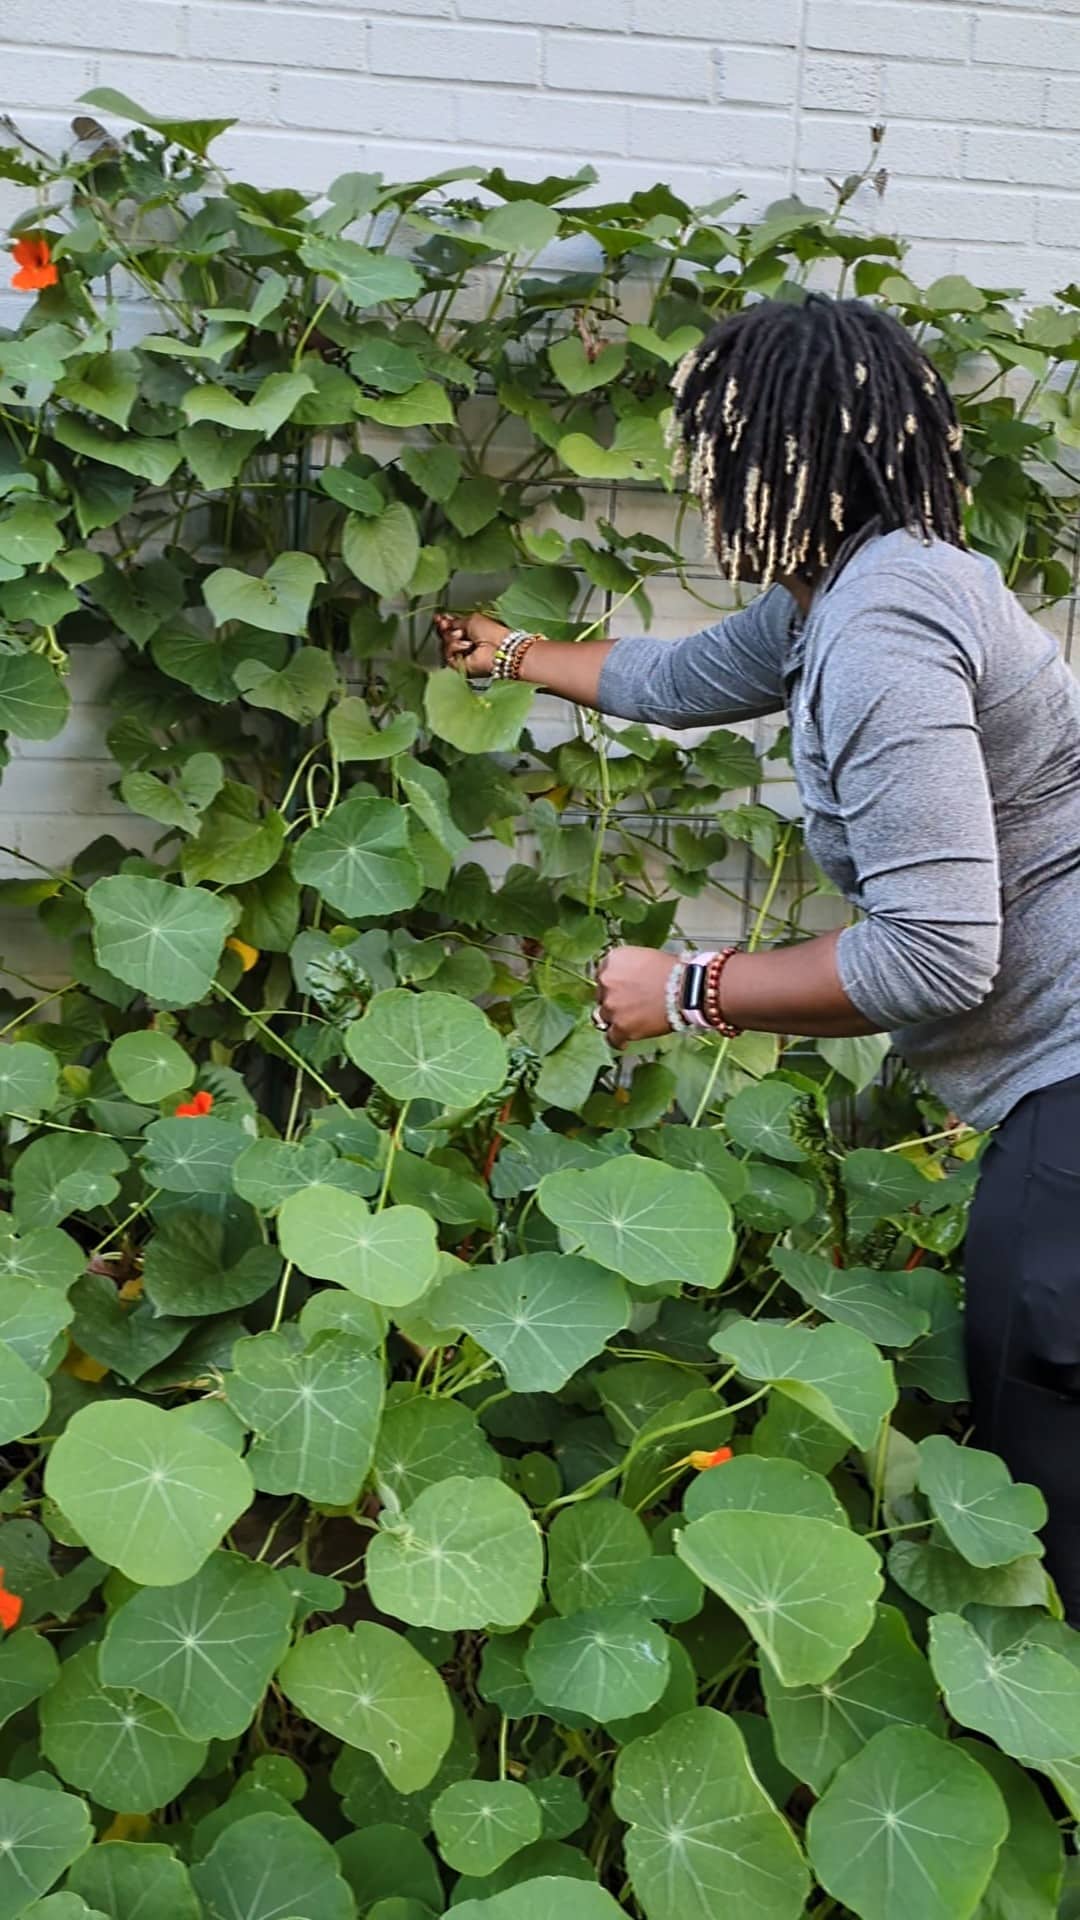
451	1468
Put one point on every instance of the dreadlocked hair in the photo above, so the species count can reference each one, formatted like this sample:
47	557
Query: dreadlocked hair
801	423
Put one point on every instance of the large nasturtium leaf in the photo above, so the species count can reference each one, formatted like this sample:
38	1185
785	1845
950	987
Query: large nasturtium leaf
1024	1696
467	1553
909	1825
382	550
540	1900
268	1171
24	1397
480	1824
1030	1867
704	1836
859	1297
935	1575
806	1589
131	1880
164	940
63	1173
542	1316
63	1906
45	1255
476	722
832	1371
594	1549
990	1518
359	859
422	1441
28	1078
192	1153
428	1046
31	1316
269	1866
886	1680
373	1690
41	1833
28	1667
754	1483
206	1649
608	1662
388	1865
185	1269
149	1066
145	1490
124	1750
314	1412
389	1258
643	1219
34	702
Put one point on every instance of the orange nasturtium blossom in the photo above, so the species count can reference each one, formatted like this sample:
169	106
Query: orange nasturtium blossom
703	1461
247	956
34	264
196	1108
10	1606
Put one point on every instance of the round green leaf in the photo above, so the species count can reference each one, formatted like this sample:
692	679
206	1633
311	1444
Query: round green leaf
44	1255
480	1824
467	1553
806	1590
31	1316
268	1171
389	1258
834	1372
886	1681
354	737
276	602
147	1493
41	1833
64	1173
268	1866
422	1441
1024	1696
28	1668
389	1865
24	1397
910	1825
540	1899
542	1317
989	1518
368	278
593	1550
608	1662
648	1221
185	1269
34	703
28	1078
759	1118
943	1582
1030	1867
382	550
476	722
193	1154
132	1880
166	941
752	1483
123	1750
314	1412
428	1046
859	1297
704	1836
359	859
373	1690
149	1067
205	1649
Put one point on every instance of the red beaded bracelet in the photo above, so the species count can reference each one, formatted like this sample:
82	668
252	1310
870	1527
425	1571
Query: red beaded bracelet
714	1012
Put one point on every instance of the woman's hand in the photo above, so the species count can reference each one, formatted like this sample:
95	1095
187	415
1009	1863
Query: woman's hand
469	640
631	990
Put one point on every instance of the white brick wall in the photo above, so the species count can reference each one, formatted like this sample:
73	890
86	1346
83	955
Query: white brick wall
981	98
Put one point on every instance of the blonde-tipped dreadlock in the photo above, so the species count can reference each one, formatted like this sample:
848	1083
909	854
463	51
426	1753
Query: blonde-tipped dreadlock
803	422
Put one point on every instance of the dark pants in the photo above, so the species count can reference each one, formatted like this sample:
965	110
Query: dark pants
1023	1313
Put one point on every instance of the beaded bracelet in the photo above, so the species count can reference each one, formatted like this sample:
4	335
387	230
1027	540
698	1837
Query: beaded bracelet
714	1012
672	998
509	654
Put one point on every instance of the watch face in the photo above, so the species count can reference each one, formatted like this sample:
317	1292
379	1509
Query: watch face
693	988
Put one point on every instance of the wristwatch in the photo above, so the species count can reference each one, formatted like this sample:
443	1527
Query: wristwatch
692	989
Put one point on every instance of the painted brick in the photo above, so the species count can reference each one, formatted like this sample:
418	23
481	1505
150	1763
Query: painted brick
360	106
140	26
1023	158
1062	102
757	76
28	78
962	93
591	16
959	213
648	68
829	145
715	138
864	26
1057	224
246	93
277	36
1028	40
544	121
488	54
307	161
767	22
841	86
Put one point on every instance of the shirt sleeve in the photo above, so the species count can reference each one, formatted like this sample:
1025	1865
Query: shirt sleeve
732	671
901	740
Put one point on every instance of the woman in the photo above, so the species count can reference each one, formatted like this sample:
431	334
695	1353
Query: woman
936	743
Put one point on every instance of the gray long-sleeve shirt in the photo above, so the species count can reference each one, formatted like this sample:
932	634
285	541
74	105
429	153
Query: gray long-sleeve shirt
936	743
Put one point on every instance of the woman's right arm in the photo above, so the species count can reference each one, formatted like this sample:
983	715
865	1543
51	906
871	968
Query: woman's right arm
731	671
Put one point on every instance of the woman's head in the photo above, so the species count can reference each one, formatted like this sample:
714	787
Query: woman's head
800	423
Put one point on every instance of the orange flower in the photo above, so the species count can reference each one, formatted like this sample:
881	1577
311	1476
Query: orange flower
703	1461
35	266
247	956
10	1606
196	1108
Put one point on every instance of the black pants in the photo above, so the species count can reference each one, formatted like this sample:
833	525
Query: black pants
1023	1313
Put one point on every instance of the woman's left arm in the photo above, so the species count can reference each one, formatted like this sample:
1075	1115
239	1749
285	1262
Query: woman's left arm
901	740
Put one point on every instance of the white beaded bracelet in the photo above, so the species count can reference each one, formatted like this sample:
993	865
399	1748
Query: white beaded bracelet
676	1019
